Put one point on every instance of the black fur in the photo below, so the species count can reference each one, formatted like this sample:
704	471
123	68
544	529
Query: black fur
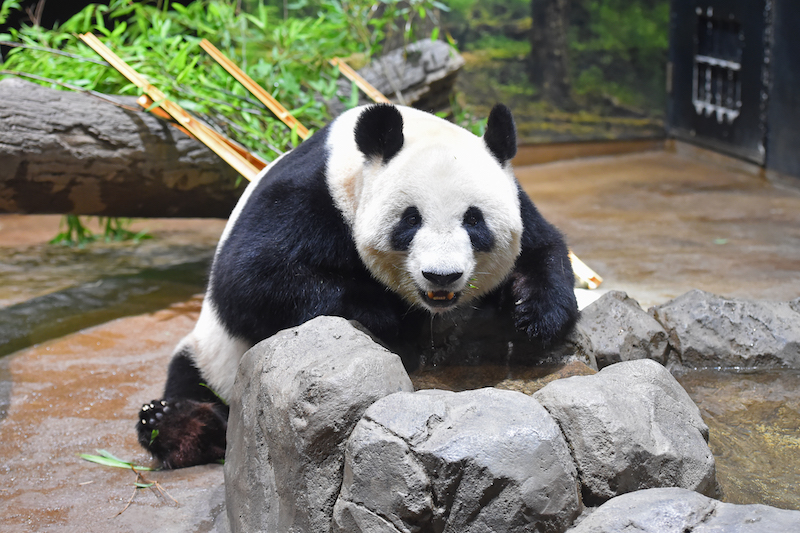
188	426
541	296
298	261
501	134
480	235
379	132
405	229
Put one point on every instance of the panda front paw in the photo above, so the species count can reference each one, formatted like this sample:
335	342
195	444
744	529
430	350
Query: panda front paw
150	417
180	433
544	315
541	322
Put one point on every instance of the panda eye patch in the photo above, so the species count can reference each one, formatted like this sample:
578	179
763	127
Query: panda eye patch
413	217
480	235
405	229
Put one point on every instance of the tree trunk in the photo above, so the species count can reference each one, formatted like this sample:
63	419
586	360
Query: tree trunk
66	152
549	59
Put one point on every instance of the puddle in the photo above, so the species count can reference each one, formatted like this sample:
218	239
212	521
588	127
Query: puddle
49	291
62	312
754	423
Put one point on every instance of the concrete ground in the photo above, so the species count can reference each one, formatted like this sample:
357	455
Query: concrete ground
653	224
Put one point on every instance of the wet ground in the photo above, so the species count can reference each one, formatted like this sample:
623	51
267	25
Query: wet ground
653	224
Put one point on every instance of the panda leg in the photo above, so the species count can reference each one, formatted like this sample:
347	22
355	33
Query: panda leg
541	284
187	427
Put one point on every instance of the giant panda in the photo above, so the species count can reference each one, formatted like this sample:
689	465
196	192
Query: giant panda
385	216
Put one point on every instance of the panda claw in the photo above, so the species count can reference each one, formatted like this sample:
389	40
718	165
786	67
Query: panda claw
152	413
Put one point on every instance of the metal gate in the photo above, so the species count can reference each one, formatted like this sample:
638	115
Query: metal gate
718	79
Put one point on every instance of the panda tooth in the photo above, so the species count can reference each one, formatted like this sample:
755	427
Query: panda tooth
451	295
431	295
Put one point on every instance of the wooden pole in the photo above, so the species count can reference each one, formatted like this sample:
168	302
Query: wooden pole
360	82
216	142
267	99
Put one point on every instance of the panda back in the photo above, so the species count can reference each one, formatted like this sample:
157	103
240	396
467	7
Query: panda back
288	221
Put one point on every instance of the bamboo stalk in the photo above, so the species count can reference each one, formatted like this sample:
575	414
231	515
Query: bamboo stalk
589	277
360	82
147	103
216	142
267	99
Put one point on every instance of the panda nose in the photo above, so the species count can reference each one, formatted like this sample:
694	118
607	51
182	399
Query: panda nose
442	280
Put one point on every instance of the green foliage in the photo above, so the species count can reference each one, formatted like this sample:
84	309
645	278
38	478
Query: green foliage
6	7
470	21
107	459
285	52
286	55
619	47
115	229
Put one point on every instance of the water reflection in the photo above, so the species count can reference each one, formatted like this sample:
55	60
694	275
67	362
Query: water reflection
754	423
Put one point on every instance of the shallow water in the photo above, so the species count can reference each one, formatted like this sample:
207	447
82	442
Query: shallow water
754	425
50	291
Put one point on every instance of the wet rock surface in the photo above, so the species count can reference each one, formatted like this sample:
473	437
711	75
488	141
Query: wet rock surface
631	427
674	510
481	460
615	328
296	399
706	330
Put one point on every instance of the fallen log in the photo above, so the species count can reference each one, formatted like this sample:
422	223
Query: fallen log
67	152
422	75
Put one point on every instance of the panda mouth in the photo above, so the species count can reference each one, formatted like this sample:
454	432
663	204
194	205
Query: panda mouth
440	299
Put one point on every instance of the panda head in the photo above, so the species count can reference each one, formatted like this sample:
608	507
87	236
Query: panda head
434	210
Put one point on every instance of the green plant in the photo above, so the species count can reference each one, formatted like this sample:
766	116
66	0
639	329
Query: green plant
75	232
288	55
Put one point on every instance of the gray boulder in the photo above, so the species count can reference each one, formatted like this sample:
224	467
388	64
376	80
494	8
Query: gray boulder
296	399
615	328
674	510
630	427
481	460
706	330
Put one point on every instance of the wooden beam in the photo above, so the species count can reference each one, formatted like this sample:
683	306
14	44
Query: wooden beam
267	99
360	82
216	142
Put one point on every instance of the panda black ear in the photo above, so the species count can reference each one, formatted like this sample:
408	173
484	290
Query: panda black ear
379	132
501	134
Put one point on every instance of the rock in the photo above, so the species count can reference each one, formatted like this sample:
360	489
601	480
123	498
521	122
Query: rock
706	330
481	460
421	75
674	510
616	328
630	427
296	398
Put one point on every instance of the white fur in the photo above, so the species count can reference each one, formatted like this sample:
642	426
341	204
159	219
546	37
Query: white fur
442	169
216	352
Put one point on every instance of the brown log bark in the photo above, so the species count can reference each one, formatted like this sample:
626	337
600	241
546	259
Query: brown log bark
67	152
